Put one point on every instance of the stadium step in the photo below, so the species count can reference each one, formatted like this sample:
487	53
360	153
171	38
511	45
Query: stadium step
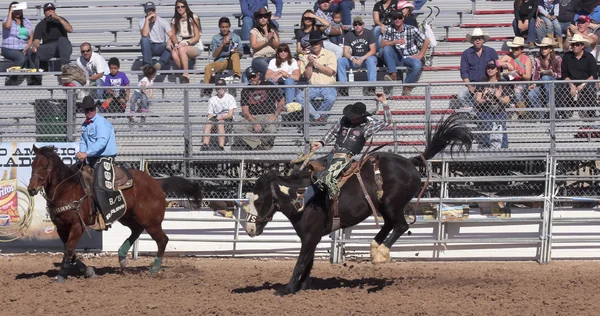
492	12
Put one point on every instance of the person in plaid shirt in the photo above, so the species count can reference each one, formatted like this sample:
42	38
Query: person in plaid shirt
403	45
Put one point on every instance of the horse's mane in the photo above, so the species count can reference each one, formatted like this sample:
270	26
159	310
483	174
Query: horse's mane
62	170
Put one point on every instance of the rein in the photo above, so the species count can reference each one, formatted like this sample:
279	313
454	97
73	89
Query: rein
274	207
45	182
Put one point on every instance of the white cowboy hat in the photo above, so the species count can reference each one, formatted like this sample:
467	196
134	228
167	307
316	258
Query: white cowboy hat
477	32
293	107
547	41
516	42
578	38
405	4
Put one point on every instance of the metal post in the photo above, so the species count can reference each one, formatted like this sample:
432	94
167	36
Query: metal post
428	113
553	165
236	228
395	133
306	122
136	244
552	116
187	132
70	111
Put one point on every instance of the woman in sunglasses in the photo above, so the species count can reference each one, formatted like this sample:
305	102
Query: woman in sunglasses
308	24
284	70
519	68
490	107
264	40
186	25
546	67
16	41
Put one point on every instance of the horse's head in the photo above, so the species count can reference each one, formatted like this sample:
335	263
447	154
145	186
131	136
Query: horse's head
271	193
41	169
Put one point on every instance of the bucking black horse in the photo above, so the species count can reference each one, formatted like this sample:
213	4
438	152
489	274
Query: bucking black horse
400	183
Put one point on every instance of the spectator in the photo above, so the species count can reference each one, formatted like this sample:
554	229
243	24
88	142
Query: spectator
283	70
336	22
17	38
307	25
116	97
566	15
578	65
157	38
473	63
324	13
344	6
491	103
261	107
547	24
226	51
359	51
220	110
407	9
264	39
187	25
546	67
403	45
50	39
382	17
583	28
319	68
519	69
525	19
94	66
248	20
142	93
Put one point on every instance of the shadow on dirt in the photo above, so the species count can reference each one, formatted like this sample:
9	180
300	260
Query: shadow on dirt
372	285
74	273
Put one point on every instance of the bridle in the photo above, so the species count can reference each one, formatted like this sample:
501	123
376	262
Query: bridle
45	182
274	207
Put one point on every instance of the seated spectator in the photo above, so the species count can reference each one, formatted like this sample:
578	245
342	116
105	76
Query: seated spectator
116	97
94	66
407	9
344	6
50	39
307	25
525	19
17	38
264	39
336	22
403	45
157	38
566	16
359	52
248	8
547	24
382	17
578	64
491	103
142	93
546	67
583	28
220	110
226	51
519	68
283	70
260	107
473	64
186	25
329	31
319	68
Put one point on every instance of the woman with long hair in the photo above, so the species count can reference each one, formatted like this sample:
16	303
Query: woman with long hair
264	40
17	37
283	69
546	67
382	18
186	25
490	107
519	68
307	24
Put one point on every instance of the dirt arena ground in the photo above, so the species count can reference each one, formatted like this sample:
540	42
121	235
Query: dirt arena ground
199	286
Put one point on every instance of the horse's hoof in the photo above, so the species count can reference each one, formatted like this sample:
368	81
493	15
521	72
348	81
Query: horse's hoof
374	246
123	261
154	270
60	279
382	255
89	272
283	292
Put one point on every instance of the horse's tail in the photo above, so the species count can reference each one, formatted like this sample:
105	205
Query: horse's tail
451	131
182	186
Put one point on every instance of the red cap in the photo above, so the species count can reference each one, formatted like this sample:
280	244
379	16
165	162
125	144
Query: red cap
583	18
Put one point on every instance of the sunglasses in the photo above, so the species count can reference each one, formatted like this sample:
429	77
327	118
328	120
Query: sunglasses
518	48
358	24
477	38
576	44
307	18
89	110
263	16
83	51
581	22
150	10
180	7
283	50
399	18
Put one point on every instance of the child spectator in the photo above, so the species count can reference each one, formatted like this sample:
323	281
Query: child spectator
547	24
143	93
337	22
220	110
116	99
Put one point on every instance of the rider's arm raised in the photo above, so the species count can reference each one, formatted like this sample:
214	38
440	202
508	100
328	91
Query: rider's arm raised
375	125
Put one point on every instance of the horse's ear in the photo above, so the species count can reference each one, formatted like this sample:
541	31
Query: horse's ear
35	149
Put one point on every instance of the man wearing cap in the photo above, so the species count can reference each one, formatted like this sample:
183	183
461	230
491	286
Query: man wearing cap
578	64
583	28
472	64
403	45
51	39
350	133
249	7
157	37
319	68
362	44
220	110
261	107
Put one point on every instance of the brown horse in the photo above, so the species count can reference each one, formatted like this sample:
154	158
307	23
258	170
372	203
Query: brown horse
146	205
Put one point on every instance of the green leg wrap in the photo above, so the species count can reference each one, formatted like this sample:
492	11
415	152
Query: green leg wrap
124	249
156	265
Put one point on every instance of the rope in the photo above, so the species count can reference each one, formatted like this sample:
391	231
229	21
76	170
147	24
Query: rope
16	230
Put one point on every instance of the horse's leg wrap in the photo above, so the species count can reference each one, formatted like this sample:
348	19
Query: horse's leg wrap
374	246
156	266
88	272
382	255
65	267
123	250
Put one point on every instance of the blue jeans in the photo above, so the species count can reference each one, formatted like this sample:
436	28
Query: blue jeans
154	49
486	122
290	93
466	98
531	32
392	59
142	97
536	96
98	83
18	58
261	64
378	37
345	7
345	63
564	26
328	95
549	27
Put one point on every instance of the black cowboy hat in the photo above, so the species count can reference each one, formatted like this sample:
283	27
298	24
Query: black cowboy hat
356	110
88	103
316	36
262	11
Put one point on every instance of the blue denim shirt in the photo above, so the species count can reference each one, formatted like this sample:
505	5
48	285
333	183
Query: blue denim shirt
226	51
251	6
473	66
98	138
